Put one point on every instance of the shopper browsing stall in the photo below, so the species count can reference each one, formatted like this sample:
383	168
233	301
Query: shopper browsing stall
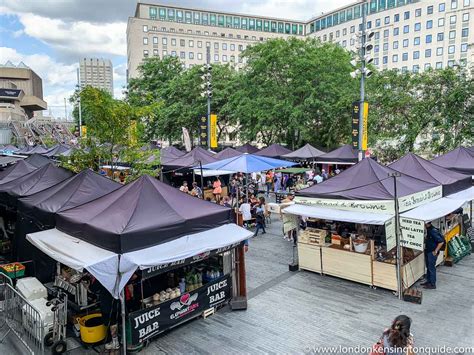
433	244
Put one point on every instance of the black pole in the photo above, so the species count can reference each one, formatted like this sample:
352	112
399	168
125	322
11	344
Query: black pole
397	235
202	179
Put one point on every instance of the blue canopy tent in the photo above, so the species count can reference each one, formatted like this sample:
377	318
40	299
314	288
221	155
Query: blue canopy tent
248	163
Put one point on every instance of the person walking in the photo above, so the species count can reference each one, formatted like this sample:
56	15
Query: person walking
260	219
434	241
397	339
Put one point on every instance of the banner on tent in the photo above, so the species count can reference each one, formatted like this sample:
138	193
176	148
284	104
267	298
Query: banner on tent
383	206
159	269
409	202
391	239
413	233
151	321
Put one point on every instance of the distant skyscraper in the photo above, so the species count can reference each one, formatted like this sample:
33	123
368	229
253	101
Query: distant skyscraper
98	73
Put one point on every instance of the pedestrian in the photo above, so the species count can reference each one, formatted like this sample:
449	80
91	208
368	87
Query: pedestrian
397	339
269	181
196	191
434	241
290	182
245	210
277	178
260	219
318	179
226	201
217	189
337	171
324	175
184	187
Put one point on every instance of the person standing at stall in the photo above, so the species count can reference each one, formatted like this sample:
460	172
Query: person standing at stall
196	191
433	243
184	187
217	189
269	181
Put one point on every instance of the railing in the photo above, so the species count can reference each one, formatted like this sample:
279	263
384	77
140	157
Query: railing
20	318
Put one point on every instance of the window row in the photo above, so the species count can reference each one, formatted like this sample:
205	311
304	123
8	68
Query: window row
190	43
191	55
212	19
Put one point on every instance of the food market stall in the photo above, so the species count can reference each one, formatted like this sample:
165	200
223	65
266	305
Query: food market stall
344	156
351	226
177	252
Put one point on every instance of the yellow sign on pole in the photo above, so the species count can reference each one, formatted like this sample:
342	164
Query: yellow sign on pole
213	131
83	131
365	116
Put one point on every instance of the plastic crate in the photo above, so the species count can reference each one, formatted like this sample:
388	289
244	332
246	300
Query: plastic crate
13	270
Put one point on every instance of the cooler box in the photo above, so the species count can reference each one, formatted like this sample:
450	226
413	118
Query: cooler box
31	288
32	324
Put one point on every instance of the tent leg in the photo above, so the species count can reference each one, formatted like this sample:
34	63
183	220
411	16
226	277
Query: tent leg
124	331
470	203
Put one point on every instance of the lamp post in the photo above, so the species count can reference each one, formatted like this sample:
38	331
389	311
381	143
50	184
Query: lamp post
79	103
207	87
399	258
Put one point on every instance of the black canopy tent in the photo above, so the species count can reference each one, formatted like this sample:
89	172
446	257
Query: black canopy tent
37	212
57	150
342	155
460	160
227	153
141	214
37	160
274	151
189	160
247	148
422	169
307	152
15	171
170	153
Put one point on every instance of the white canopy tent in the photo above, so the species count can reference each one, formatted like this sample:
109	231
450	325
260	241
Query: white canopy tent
338	214
207	173
464	195
107	267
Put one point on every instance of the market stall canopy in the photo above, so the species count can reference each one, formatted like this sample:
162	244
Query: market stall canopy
209	173
247	148
57	150
9	149
227	153
170	153
77	190
36	181
141	214
5	160
191	159
367	180
38	149
434	209
293	170
465	195
460	160
248	163
16	171
415	166
342	155
307	152
105	265
37	160
273	151
337	214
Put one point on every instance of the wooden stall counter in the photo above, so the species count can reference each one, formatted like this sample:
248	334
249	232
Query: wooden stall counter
309	257
385	274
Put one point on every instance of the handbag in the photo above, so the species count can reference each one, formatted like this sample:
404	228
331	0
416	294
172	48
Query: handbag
377	348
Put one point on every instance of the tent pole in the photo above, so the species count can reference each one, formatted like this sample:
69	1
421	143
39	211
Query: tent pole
470	222
397	236
202	179
124	331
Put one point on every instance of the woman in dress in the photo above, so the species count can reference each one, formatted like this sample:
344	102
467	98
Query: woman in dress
217	189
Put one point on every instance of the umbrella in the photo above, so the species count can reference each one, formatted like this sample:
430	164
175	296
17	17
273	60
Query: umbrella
227	153
306	152
274	151
248	163
247	148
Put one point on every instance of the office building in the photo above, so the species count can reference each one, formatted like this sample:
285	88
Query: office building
98	73
409	34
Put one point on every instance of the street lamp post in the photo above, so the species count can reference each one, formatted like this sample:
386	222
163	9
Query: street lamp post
207	87
362	79
399	258
79	103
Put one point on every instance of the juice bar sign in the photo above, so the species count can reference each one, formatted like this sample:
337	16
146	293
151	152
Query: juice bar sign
154	320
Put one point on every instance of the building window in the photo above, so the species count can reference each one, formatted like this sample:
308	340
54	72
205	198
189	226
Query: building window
439	65
385	46
395	58
417	26
406	28
452	19
429	39
344	31
241	47
417	12
191	55
395	45
376	61
385	34
386	20
405	57
454	4
439	51
199	56
155	52
429	24
377	23
385	60
463	47
155	40
416	41
416	55
465	17
173	53
145	28
427	53
416	68
427	66
440	37
429	10
395	31
216	57
442	7
182	42
224	46
465	32
467	3
450	63
396	17
224	58
352	29
199	44
145	40
441	22
452	34
232	47
145	53
406	15
377	35
164	41
182	55
451	49
369	24
173	41
405	43
376	48
216	45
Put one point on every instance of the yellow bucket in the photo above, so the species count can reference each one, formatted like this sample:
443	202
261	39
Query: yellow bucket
92	329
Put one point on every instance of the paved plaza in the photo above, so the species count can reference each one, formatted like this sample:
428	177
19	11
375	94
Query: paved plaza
296	312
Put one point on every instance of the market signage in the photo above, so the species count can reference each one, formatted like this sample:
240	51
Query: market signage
151	321
159	269
391	239
203	131
213	131
413	233
355	124
382	206
420	198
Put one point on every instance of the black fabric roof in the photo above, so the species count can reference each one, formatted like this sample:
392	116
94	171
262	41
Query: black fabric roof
57	150
141	214
191	159
273	151
413	165
366	180
227	153
307	152
37	160
36	181
77	190
344	154
15	171
170	153
247	148
460	160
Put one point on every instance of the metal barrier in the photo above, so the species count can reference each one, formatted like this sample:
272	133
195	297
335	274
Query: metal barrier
21	318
